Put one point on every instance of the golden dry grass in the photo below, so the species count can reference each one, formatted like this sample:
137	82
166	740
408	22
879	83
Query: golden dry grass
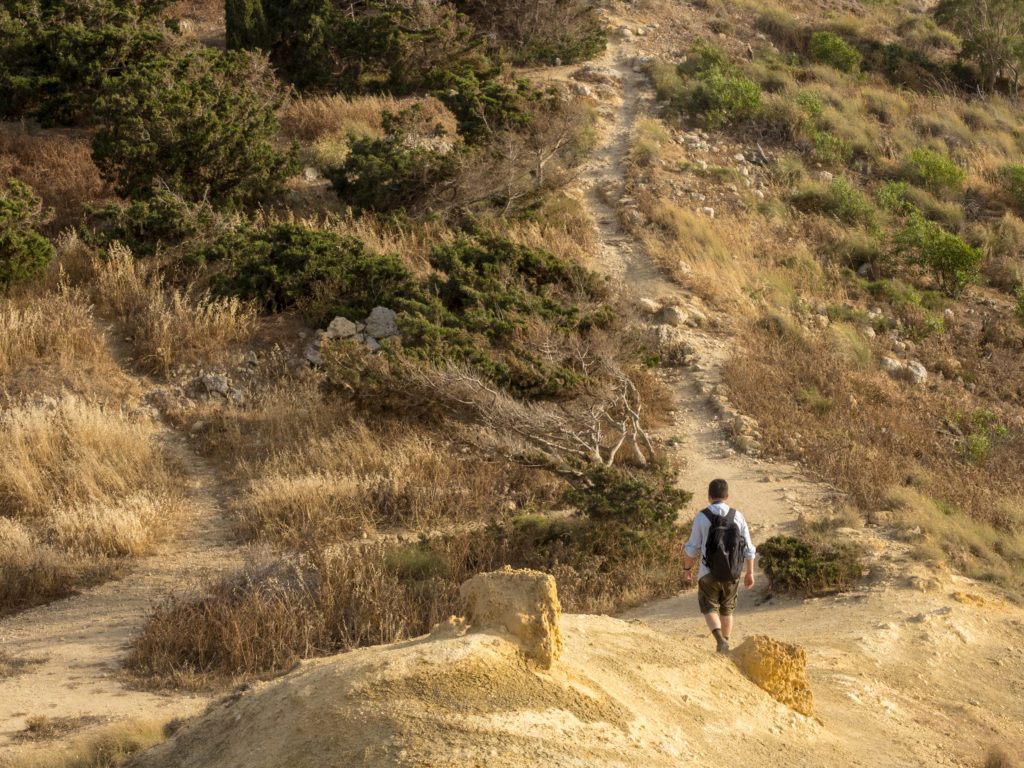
80	487
170	327
58	166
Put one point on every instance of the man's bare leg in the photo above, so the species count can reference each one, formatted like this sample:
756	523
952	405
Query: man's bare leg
714	622
727	626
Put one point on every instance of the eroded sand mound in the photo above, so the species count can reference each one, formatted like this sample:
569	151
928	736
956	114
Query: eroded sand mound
619	695
523	603
779	668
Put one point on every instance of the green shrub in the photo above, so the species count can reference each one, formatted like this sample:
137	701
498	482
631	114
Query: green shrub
725	100
1018	308
164	219
830	149
924	243
482	103
1012	175
892	197
24	253
981	431
201	124
840	199
829	48
810	103
794	564
933	171
631	500
358	46
322	273
54	56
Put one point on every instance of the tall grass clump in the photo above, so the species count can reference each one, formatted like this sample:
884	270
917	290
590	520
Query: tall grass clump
169	326
81	488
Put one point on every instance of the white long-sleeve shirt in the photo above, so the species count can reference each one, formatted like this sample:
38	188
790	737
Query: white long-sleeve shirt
699	536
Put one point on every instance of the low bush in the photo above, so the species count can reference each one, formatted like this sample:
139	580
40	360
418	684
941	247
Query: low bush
200	125
715	90
933	171
1012	175
794	564
829	48
924	243
24	253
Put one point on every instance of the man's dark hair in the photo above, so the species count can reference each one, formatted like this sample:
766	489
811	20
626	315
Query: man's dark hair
718	489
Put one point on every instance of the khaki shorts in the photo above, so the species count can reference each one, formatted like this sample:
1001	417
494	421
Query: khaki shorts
715	596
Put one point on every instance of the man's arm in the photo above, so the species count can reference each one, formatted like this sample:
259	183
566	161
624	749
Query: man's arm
748	576
695	546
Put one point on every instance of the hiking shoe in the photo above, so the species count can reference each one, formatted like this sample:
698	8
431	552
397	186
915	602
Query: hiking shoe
723	646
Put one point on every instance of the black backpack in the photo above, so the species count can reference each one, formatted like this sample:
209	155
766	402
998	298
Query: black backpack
723	552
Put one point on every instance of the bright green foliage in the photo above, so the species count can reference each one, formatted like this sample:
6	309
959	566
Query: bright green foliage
892	197
325	274
24	253
202	124
924	243
829	48
841	200
718	94
992	32
1012	175
810	103
54	56
1018	308
830	149
794	564
933	171
981	432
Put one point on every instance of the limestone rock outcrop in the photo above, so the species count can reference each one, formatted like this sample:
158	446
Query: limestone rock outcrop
778	668
523	603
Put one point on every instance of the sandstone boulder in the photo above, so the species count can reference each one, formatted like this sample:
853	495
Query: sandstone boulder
778	668
523	603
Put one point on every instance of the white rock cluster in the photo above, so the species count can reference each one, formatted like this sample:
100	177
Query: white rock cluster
380	324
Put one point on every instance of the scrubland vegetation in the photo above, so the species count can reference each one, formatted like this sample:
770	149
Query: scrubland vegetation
156	222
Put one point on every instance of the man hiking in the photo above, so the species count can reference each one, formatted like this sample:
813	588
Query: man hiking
721	539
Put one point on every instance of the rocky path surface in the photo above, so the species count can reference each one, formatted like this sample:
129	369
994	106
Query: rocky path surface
77	645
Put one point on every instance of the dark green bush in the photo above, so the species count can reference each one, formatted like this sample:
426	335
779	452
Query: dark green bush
716	91
322	273
201	124
54	56
482	103
372	45
933	171
841	200
164	219
924	243
794	564
646	502
829	48
24	253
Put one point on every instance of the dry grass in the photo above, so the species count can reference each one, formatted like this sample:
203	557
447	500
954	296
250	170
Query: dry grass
317	474
310	118
110	747
170	327
81	488
278	610
58	166
51	344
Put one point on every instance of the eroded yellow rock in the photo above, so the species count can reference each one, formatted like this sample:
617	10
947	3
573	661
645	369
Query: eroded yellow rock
524	603
779	668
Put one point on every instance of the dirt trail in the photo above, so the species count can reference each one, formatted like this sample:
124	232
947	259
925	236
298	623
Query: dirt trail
903	668
82	640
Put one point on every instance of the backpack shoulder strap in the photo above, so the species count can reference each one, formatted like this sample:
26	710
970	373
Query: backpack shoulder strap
709	515
730	518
